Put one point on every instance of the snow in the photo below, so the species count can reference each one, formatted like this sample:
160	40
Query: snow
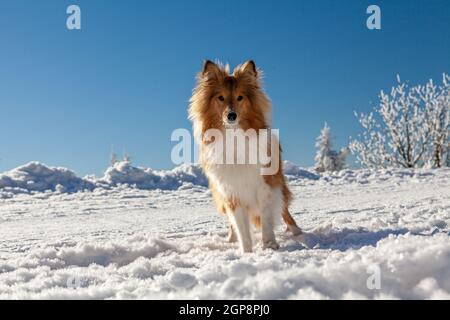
36	176
147	179
139	233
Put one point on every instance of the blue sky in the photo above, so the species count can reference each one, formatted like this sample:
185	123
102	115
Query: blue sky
126	77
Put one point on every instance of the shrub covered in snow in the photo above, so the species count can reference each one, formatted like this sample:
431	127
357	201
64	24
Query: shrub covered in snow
410	128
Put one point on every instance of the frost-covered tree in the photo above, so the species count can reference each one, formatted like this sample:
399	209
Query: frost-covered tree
127	158
113	159
409	129
447	162
436	100
327	159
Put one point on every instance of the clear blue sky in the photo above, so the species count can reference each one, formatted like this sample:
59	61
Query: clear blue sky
126	77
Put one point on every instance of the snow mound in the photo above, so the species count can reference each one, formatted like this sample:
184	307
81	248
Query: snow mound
38	177
295	172
84	255
123	173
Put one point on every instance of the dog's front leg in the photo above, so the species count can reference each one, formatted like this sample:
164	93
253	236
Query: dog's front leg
240	223
267	227
232	237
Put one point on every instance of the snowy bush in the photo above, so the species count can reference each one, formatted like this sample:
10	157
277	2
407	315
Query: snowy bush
410	128
327	159
436	101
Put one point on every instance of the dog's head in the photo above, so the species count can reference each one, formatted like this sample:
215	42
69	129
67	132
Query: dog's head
224	100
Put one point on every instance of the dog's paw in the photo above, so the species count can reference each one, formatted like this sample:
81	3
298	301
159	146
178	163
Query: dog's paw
246	249
271	245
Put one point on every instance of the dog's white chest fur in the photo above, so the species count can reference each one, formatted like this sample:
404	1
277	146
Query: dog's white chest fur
246	185
243	183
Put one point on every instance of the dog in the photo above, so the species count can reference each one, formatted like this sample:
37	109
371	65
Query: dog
235	101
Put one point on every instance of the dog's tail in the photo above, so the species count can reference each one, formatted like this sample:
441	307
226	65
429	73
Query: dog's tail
290	223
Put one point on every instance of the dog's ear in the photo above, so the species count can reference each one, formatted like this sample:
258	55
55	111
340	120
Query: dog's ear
210	67
250	67
247	68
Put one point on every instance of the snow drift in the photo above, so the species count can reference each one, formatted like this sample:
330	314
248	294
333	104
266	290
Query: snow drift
147	179
37	177
295	172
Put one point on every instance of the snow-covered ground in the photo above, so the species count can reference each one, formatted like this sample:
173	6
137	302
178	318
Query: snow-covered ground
139	233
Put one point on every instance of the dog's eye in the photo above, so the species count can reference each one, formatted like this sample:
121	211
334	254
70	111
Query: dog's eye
221	98
240	98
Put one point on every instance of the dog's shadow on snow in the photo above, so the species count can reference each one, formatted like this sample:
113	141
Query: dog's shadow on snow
341	239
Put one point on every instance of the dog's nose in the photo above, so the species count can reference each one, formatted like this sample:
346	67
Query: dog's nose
232	116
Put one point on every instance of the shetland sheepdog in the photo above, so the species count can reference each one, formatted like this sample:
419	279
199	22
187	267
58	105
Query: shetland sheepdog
224	101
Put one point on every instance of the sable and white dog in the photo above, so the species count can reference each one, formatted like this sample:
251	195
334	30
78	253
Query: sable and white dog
224	101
